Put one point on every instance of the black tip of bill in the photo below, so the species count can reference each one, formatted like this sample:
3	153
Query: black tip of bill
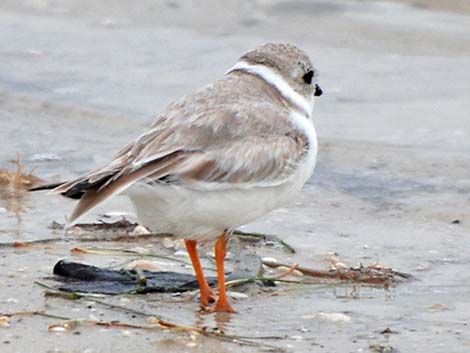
318	91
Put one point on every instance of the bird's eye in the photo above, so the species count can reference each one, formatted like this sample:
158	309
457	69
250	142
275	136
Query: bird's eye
308	77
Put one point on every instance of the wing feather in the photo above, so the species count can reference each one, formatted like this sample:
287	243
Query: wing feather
248	162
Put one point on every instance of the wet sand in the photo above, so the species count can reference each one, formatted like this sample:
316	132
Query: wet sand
78	79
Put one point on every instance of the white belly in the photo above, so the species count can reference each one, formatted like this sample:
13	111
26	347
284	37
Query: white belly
204	215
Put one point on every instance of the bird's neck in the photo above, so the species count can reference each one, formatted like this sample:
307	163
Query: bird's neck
276	81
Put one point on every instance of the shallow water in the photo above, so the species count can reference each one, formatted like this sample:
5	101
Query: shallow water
78	79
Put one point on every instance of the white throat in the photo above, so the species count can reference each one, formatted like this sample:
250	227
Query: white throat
277	81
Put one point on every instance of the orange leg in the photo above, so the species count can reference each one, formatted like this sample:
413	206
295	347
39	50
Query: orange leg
207	295
220	251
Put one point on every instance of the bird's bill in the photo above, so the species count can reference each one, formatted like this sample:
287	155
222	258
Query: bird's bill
318	91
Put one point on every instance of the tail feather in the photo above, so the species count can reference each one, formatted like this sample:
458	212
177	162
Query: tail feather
103	190
96	187
47	186
74	189
94	196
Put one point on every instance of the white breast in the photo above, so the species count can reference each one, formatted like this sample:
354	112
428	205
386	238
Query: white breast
305	125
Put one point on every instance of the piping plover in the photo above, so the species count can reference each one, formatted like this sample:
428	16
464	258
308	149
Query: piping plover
218	158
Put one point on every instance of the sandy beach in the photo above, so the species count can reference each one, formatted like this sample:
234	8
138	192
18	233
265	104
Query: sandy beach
79	79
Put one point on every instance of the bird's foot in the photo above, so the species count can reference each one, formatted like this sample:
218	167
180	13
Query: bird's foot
207	296
223	306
